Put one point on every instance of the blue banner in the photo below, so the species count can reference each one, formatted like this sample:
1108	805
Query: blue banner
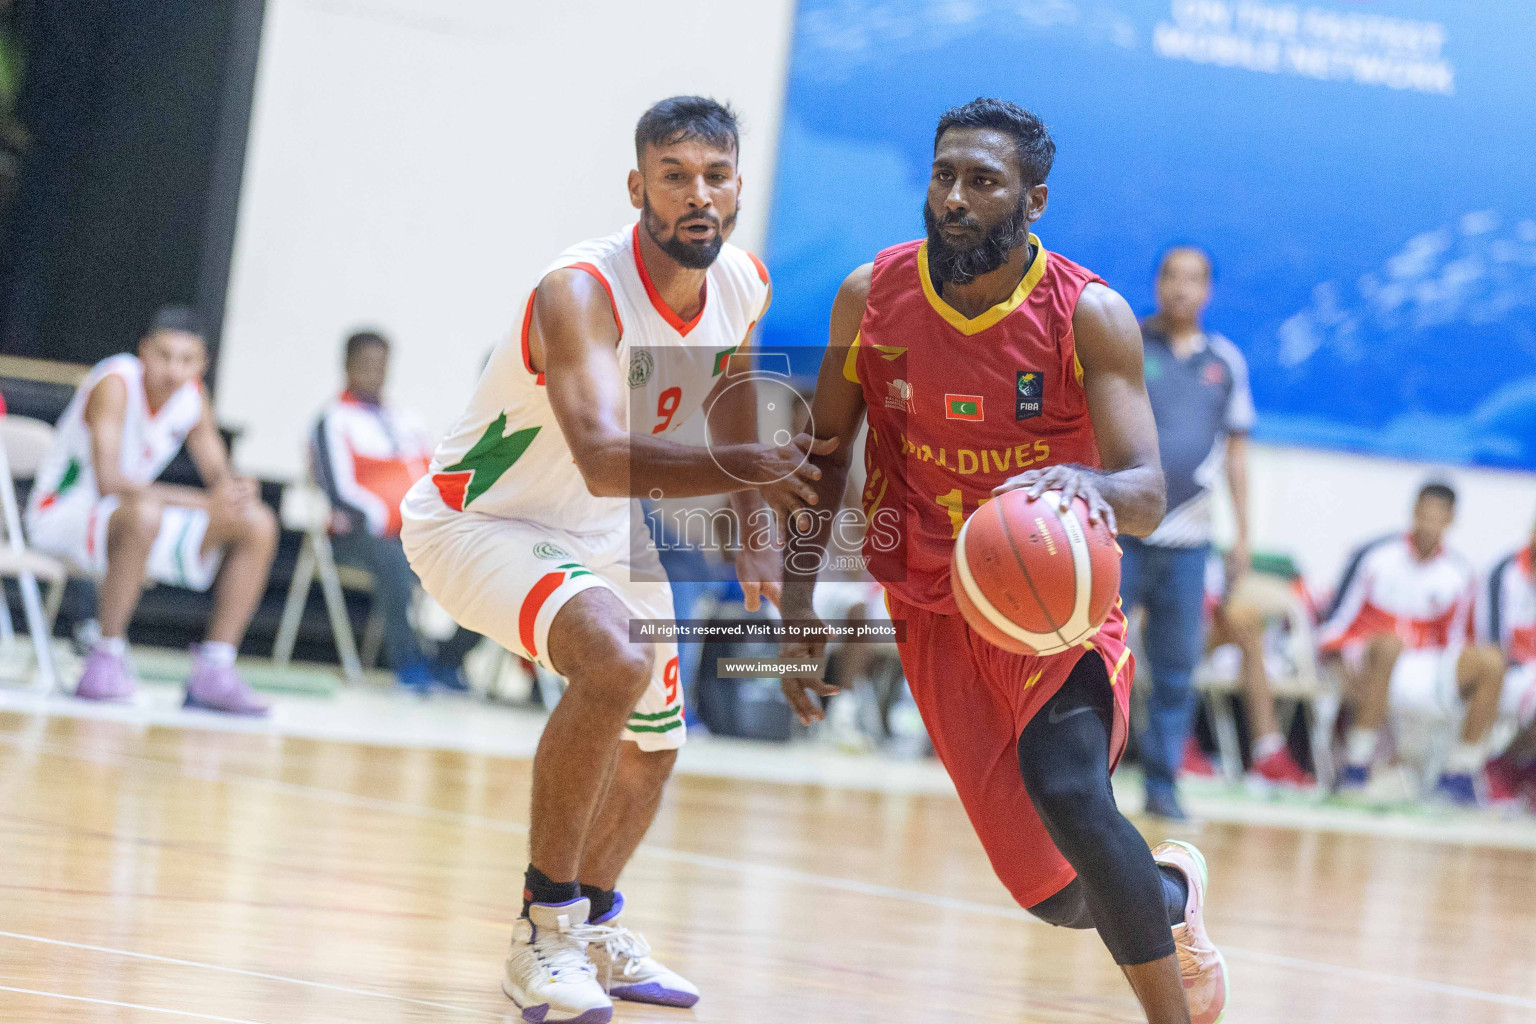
1362	171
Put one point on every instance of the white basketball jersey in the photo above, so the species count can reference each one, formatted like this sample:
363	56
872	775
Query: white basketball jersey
506	456
151	438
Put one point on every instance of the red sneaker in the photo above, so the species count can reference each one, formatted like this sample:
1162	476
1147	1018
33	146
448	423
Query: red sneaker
1281	769
1196	763
1505	785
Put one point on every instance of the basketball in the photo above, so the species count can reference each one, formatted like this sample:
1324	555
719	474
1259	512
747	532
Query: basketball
1031	578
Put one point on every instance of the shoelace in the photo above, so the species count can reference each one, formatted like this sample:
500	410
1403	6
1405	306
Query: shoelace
619	942
563	953
1190	963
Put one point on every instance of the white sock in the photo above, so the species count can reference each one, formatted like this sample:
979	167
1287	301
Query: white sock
1268	746
113	645
216	652
1465	759
1360	747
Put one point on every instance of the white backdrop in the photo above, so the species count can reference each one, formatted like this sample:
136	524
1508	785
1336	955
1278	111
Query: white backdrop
413	163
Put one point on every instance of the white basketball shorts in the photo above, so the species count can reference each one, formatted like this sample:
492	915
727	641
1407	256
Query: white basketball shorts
507	579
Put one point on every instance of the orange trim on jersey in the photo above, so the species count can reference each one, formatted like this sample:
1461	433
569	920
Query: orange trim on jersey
762	271
679	325
589	268
529	613
1416	634
538	378
967	325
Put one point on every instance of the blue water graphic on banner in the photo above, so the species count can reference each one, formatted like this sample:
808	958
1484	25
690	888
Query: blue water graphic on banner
1362	171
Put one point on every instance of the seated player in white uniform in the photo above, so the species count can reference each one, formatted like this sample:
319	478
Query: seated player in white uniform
95	504
527	530
1510	625
1402	624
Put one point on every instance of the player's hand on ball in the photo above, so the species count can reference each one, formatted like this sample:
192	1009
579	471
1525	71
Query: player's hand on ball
798	690
791	474
1072	482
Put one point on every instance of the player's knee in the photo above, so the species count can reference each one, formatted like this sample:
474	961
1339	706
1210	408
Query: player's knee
1385	645
1066	909
615	674
136	520
1070	800
260	525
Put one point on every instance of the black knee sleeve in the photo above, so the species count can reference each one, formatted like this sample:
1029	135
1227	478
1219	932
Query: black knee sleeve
1064	759
1066	909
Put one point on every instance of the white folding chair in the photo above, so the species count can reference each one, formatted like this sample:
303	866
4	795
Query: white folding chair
1294	677
307	510
24	442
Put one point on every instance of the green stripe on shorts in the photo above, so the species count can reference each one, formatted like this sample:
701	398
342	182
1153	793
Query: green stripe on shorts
676	723
637	716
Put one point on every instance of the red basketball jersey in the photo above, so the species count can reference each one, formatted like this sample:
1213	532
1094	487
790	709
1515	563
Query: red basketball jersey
957	406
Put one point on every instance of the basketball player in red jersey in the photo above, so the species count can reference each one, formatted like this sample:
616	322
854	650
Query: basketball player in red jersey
985	363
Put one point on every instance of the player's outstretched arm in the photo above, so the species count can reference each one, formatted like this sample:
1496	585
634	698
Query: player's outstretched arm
1128	492
837	412
574	340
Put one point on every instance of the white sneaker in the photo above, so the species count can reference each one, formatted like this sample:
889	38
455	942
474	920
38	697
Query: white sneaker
548	974
625	968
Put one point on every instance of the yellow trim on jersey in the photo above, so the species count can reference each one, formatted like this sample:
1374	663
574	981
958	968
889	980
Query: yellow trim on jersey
989	318
1077	366
851	361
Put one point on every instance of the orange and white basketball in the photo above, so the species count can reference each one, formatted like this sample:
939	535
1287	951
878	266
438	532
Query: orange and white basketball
1031	578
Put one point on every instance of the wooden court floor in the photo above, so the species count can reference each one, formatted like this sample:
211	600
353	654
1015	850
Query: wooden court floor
157	875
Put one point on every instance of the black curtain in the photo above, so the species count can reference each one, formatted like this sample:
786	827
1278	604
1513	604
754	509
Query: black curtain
137	113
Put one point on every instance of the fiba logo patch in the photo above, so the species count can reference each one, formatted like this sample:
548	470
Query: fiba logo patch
1029	395
552	552
641	366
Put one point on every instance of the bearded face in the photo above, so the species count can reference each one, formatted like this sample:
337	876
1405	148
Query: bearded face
961	248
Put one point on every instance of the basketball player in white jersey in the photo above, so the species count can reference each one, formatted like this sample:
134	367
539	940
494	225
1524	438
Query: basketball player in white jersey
527	530
95	504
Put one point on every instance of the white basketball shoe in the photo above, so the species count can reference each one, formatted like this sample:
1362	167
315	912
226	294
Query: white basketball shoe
548	973
625	967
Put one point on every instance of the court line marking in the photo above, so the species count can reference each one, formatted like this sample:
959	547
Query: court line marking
127	1006
245	973
741	867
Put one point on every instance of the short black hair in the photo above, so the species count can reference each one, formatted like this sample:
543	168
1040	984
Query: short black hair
1032	140
680	118
1197	249
176	318
361	340
1437	489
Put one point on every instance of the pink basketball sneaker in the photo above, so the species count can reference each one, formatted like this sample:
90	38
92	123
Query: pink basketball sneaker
106	676
218	687
1201	964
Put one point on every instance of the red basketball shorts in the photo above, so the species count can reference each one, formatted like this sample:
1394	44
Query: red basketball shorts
975	699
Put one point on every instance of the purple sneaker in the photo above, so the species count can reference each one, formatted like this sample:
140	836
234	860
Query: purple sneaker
216	687
106	677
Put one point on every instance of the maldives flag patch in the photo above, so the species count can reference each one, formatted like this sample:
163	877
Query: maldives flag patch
963	407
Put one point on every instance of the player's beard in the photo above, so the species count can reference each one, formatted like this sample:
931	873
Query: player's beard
963	264
693	255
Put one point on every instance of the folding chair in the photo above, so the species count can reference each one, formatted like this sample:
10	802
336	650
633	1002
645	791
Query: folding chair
24	442
1294	677
307	510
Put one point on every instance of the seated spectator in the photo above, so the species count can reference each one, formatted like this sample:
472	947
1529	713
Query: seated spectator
366	456
95	504
1511	626
1245	619
1401	623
